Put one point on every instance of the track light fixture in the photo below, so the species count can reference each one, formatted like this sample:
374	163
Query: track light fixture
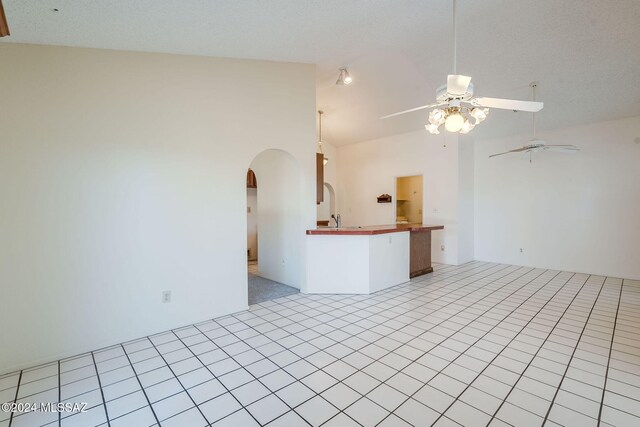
344	78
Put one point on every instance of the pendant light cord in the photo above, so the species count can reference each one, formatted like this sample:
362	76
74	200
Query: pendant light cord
533	95
320	140
455	40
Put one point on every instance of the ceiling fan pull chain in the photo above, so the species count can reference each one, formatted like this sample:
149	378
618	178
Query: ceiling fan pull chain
534	85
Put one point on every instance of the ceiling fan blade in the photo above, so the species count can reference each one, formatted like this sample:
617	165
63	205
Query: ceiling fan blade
457	85
508	104
411	110
571	147
517	150
4	26
562	148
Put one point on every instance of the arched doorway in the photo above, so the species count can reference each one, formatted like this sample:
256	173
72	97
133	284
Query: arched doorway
274	217
327	207
252	222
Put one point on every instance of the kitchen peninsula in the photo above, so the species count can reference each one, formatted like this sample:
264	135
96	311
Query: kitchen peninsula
363	260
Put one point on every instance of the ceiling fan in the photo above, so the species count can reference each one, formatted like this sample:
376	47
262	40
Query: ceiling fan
535	144
459	105
4	27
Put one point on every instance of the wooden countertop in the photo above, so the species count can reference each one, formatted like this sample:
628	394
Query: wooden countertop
374	229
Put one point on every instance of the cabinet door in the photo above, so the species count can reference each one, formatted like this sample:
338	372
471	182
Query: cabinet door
251	180
319	178
420	253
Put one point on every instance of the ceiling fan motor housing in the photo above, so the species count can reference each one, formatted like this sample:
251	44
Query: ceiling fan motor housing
443	96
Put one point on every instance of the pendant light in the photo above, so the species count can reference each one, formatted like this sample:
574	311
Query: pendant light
325	160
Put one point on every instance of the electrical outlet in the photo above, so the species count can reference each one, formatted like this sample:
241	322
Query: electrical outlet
442	248
166	297
436	210
521	250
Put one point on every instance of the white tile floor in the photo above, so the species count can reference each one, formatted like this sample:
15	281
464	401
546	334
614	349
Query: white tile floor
474	345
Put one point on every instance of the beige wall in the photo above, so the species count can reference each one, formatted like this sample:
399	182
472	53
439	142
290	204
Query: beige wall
123	175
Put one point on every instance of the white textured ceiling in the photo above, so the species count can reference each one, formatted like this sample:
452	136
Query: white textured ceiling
585	53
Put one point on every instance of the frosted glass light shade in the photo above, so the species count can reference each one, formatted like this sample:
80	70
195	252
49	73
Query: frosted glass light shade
432	128
467	127
454	123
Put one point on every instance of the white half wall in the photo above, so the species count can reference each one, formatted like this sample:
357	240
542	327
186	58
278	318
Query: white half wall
356	264
576	212
122	175
369	169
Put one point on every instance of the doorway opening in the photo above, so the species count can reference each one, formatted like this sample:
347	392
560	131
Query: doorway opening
409	199
252	222
273	215
327	207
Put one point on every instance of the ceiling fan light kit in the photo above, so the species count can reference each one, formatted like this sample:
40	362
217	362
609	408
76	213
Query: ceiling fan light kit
456	107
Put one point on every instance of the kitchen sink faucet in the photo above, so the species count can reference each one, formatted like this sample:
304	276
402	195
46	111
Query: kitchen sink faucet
338	220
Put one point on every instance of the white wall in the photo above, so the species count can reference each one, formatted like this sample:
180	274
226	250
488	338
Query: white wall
281	231
252	223
369	169
122	175
466	208
576	212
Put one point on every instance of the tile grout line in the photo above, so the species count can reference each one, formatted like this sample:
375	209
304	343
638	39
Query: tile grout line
398	329
510	341
242	406
564	374
606	375
382	336
513	386
104	402
178	379
141	388
15	400
505	346
476	318
60	395
355	351
493	416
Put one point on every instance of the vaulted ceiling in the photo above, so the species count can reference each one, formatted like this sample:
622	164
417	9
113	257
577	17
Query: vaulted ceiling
585	53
